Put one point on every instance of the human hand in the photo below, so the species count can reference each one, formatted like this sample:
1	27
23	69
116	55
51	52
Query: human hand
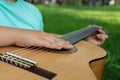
97	39
40	39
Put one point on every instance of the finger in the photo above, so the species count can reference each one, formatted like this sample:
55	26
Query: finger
101	30
50	41
65	44
46	44
100	36
55	42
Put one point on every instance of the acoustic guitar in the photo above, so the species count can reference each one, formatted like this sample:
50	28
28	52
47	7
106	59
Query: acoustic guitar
84	62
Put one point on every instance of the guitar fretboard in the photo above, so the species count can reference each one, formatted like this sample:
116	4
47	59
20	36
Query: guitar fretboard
78	35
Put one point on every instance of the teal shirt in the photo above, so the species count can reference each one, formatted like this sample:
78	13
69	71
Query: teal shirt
20	14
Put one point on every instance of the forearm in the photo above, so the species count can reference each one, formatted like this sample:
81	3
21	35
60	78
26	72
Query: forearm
7	36
23	38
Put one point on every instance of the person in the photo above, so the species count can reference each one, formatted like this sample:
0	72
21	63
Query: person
26	27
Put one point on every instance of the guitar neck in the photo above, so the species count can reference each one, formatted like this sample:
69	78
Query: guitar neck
76	36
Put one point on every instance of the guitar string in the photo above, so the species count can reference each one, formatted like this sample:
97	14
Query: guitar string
37	56
44	49
33	49
21	51
24	51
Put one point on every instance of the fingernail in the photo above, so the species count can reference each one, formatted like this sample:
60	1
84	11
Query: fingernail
106	36
68	42
70	46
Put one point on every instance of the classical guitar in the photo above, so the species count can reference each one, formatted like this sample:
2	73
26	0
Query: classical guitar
84	62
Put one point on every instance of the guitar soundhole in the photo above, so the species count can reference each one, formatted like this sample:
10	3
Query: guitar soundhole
65	51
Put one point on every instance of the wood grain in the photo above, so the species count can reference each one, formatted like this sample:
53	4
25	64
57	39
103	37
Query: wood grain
87	63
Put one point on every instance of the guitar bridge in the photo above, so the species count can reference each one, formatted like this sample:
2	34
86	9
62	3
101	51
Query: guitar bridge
26	64
17	60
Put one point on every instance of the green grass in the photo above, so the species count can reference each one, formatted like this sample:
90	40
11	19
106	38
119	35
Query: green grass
63	19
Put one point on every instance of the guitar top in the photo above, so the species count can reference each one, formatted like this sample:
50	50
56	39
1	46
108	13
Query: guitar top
55	65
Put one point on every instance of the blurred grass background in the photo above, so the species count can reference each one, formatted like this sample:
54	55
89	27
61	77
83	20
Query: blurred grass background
64	19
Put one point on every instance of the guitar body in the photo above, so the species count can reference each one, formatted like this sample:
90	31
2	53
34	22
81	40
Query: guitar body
85	63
